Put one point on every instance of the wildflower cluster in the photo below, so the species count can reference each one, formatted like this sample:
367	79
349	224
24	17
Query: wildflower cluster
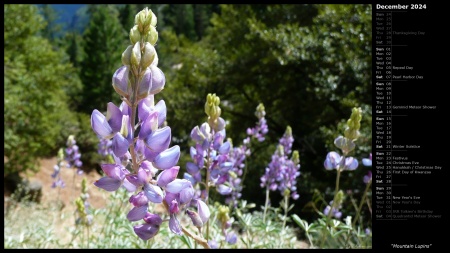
282	172
225	222
343	163
238	155
84	216
73	155
70	159
105	147
210	152
143	162
56	175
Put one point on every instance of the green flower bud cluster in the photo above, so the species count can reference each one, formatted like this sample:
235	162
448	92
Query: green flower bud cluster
295	157
339	198
81	210
280	150
223	214
143	36
353	124
351	132
81	203
288	131
213	110
60	155
260	111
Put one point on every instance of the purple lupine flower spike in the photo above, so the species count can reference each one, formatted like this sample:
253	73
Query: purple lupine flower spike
138	139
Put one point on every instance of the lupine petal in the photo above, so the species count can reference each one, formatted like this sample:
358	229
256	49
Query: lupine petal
189	177
100	125
167	176
168	158
147	166
158	80
145	84
192	168
125	109
159	140
344	143
148	125
367	162
137	213
150	155
224	190
114	117
220	124
170	197
138	179
113	171
120	81
186	195
174	207
108	184
120	145
196	135
231	238
332	161
351	163
213	244
146	231
174	225
129	186
139	199
153	193
225	148
226	166
203	210
145	107
177	185
160	107
152	219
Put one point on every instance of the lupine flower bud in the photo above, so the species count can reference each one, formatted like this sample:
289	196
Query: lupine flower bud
203	210
135	35
212	108
120	82
353	124
154	19
143	19
136	55
148	56
126	56
61	154
260	111
339	198
223	214
295	157
345	144
152	36
195	218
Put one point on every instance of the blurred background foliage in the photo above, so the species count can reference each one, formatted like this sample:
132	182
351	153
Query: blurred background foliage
308	64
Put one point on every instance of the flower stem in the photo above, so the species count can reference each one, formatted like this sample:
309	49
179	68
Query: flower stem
197	238
334	201
207	198
266	204
133	119
362	202
286	206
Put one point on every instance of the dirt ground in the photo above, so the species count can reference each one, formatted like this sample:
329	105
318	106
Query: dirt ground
72	189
